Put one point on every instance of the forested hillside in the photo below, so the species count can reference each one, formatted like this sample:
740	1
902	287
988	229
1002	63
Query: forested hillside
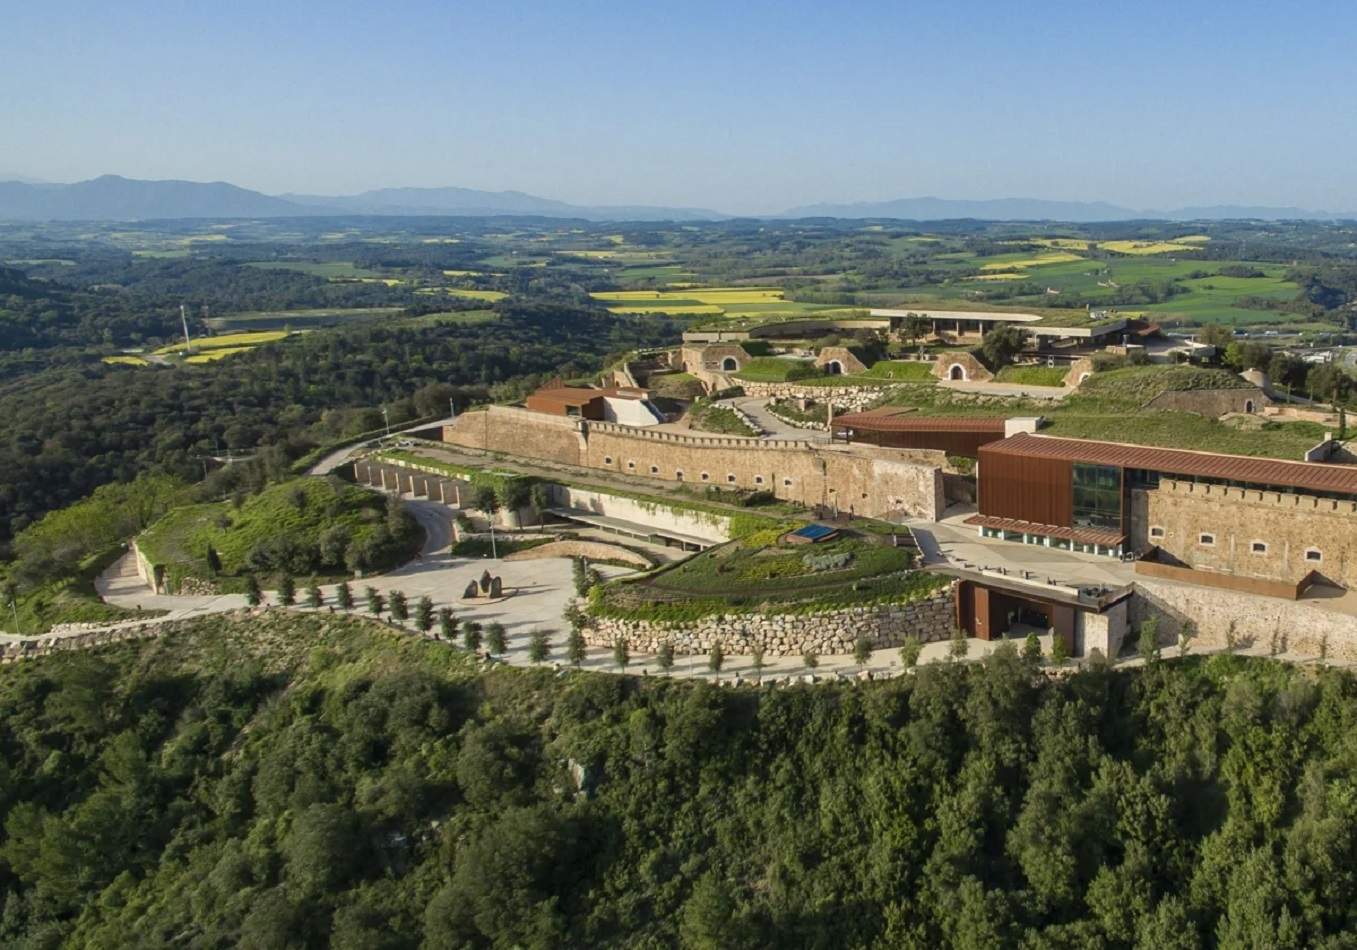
69	429
310	781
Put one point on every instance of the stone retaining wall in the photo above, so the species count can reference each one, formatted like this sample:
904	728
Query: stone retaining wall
1283	626
828	633
846	398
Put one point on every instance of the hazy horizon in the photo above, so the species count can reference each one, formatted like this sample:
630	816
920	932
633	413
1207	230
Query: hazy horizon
747	111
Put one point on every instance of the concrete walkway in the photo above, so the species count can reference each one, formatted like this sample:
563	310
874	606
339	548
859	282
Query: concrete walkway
773	427
339	456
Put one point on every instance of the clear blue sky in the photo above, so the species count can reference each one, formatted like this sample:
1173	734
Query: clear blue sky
743	107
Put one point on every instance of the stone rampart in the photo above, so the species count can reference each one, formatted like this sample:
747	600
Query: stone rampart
655	514
861	479
827	633
1279	626
1270	535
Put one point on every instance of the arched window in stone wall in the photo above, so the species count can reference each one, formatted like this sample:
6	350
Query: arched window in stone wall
729	364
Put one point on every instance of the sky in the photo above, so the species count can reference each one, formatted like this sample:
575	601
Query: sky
741	107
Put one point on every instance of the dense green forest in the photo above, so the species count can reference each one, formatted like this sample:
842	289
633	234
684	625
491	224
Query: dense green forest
294	781
71	428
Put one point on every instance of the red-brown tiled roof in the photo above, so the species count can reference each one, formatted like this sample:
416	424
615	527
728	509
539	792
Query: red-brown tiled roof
1108	539
1313	476
871	421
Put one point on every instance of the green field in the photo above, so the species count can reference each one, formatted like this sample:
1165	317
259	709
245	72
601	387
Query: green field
300	319
327	269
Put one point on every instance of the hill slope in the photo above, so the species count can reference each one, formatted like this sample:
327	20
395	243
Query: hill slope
296	780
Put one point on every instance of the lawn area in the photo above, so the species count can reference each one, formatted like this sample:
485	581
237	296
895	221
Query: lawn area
306	526
1032	375
126	359
759	573
772	369
910	371
211	356
67	599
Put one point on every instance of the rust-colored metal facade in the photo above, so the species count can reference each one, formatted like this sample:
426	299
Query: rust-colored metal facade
987	613
962	437
1026	487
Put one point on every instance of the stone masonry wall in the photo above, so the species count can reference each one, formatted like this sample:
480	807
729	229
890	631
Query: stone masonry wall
829	633
884	483
844	398
975	371
1211	402
1288	525
1283	626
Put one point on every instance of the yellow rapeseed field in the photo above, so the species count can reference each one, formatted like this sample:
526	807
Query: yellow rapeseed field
1052	257
236	341
1148	247
212	356
126	360
487	295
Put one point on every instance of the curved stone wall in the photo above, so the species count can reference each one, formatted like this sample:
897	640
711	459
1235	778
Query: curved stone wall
828	633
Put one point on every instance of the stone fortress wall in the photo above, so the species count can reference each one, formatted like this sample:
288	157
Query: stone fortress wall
1212	402
882	483
1268	623
1237	519
827	633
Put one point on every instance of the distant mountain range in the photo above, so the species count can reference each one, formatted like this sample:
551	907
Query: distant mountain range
114	198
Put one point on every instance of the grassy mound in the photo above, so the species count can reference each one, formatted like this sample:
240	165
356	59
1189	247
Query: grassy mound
772	369
903	370
1137	385
306	526
1032	375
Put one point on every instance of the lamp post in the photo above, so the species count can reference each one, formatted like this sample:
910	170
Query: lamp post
386	417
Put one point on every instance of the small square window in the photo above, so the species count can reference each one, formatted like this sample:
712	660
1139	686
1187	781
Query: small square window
1156	532
655	470
607	460
758	479
1206	539
705	476
787	483
631	466
1314	555
678	476
731	479
1258	547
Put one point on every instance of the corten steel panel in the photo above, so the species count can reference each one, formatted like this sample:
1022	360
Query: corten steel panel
961	443
1315	476
1026	488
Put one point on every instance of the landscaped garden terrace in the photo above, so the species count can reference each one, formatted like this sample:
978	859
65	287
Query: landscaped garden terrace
763	573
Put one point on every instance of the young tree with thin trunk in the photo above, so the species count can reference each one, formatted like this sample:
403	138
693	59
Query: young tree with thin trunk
910	648
539	647
862	651
810	658
344	596
665	657
376	602
621	653
496	639
253	595
447	623
400	607
287	590
424	614
575	648
314	598
959	646
756	656
716	658
471	636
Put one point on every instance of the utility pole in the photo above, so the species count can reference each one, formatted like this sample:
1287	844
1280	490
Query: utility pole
183	318
452	408
14	603
387	417
494	552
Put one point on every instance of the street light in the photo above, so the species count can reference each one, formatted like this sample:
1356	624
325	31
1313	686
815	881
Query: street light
386	416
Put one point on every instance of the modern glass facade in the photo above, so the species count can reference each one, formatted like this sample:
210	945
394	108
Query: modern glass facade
1097	496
